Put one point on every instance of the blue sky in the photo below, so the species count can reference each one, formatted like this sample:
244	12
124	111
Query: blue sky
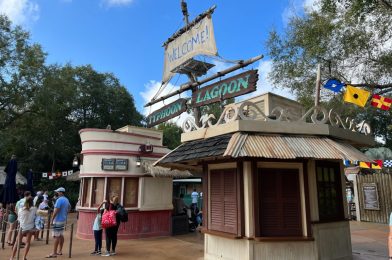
124	37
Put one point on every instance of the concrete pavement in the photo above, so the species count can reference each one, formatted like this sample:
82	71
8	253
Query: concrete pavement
369	241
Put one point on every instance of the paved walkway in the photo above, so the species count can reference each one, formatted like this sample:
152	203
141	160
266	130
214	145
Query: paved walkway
369	241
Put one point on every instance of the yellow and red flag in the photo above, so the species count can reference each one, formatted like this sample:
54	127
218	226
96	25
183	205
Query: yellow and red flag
377	165
366	165
356	96
381	102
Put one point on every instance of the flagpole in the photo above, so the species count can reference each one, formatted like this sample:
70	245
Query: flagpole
318	83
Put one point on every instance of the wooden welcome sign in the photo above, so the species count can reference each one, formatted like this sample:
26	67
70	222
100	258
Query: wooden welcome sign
231	87
167	112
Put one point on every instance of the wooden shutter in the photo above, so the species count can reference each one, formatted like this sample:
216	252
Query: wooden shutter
223	197
280	205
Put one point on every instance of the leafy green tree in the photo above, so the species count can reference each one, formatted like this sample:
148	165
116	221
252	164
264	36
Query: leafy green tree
171	134
352	41
21	69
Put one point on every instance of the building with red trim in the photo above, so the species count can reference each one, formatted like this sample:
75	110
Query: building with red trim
119	163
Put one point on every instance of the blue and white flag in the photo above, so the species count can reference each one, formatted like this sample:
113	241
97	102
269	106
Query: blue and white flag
347	163
388	163
334	85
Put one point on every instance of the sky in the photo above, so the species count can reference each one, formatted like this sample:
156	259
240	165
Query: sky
125	37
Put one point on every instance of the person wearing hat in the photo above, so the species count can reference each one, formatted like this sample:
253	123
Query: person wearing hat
60	213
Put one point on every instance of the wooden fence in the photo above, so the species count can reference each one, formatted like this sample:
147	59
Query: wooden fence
375	209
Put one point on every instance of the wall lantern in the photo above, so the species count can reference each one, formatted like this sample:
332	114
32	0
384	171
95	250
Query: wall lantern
138	161
75	162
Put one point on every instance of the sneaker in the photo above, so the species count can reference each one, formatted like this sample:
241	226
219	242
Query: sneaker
94	253
113	253
106	254
98	252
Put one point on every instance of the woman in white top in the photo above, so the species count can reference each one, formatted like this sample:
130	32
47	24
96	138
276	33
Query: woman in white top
26	217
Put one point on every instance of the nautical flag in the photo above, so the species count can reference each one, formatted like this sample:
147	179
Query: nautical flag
388	163
347	163
70	172
377	165
50	177
356	96
383	103
44	175
65	173
334	85
365	165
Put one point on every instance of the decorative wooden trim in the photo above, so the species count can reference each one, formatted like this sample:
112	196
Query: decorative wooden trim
256	199
220	234
307	201
240	199
283	239
205	179
112	174
116	132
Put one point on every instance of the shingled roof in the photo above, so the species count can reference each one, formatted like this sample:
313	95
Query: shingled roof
198	149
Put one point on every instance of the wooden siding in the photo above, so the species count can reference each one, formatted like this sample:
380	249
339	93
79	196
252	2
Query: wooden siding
384	188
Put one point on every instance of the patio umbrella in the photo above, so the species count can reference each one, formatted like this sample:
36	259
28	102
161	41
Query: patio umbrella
30	181
10	195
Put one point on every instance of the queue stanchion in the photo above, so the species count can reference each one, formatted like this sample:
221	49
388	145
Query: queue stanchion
70	241
19	240
48	228
15	232
4	229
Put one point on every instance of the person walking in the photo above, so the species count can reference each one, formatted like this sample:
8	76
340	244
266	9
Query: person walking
26	216
12	223
111	232
60	213
97	229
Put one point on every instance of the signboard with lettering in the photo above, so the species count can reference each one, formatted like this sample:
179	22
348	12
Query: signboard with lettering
370	196
167	112
231	87
108	164
197	40
121	165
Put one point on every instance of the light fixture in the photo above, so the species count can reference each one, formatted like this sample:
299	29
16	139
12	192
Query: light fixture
138	161
75	162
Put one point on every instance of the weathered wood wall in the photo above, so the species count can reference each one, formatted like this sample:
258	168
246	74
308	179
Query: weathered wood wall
384	187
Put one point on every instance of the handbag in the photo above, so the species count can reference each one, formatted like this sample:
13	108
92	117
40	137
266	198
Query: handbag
109	218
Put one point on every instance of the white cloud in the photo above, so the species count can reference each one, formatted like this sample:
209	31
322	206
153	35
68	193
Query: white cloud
113	3
21	12
297	7
151	88
264	84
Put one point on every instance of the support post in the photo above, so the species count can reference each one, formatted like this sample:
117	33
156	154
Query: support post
48	227
19	241
4	227
318	83
70	241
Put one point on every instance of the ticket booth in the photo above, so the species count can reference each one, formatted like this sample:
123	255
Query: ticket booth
120	163
273	189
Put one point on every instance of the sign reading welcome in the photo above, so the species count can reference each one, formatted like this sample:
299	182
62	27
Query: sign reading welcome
231	87
167	112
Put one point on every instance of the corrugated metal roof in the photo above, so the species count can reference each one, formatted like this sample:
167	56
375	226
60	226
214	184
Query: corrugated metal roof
291	147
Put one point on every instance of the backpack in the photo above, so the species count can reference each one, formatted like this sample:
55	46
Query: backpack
123	214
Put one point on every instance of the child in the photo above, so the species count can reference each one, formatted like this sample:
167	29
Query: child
12	223
97	228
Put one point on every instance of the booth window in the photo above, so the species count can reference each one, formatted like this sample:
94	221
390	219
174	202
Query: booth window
223	198
114	188
98	190
329	191
130	192
278	203
86	192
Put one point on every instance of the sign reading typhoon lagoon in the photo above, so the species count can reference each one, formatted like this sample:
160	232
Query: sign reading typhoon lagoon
199	39
231	87
165	113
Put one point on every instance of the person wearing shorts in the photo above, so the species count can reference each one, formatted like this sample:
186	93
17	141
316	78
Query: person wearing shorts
390	237
26	216
60	213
